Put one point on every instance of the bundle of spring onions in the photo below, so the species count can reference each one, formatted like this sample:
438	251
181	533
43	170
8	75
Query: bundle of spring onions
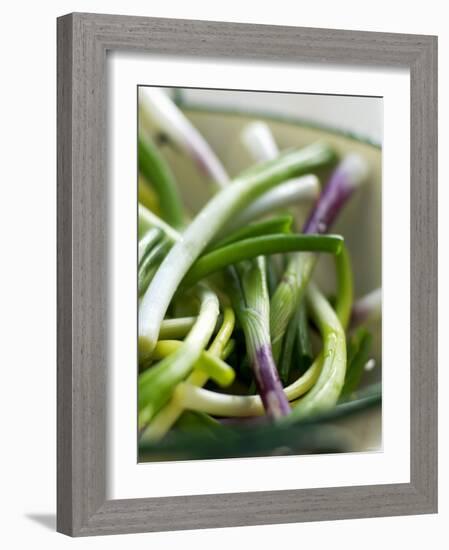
240	352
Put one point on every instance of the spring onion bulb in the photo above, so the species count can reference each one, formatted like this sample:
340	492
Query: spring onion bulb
367	309
157	109
347	177
259	141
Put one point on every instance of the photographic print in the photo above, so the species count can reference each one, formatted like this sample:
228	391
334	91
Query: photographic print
259	274
228	309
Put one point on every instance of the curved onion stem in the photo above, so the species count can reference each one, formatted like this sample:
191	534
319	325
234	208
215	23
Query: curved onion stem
220	404
327	389
210	365
168	415
247	249
275	224
173	329
157	383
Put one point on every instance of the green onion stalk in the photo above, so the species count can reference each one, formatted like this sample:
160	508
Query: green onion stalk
303	342
148	241
326	391
205	227
208	364
247	249
158	110
157	172
176	328
150	263
349	174
156	238
359	350
251	301
275	224
286	358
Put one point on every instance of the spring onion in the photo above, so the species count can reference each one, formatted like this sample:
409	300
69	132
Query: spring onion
168	415
367	309
205	226
156	171
349	174
158	109
251	248
252	305
157	383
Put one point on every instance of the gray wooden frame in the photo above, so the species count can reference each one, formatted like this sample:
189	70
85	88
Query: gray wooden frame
83	40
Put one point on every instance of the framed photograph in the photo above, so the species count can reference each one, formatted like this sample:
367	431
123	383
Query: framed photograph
247	274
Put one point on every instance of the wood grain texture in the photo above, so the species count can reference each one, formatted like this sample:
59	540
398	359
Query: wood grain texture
64	277
83	40
423	273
